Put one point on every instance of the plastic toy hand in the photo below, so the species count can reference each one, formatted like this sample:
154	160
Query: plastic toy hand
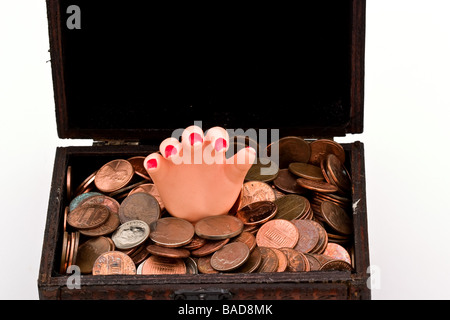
194	178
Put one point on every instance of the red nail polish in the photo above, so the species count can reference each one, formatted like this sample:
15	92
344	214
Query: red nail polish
220	144
251	149
195	137
152	163
170	151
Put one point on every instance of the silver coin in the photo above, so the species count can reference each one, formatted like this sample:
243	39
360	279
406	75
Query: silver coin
191	266
130	234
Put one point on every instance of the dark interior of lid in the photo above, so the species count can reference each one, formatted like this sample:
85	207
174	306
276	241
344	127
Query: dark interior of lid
138	68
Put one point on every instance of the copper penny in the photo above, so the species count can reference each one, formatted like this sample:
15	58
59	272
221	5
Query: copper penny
219	227
195	243
139	206
75	248
292	206
323	167
114	175
278	193
323	238
339	191
314	264
323	147
108	227
307	171
321	258
308	235
257	212
151	189
113	262
88	216
337	252
65	242
278	233
309	215
296	260
254	191
138	166
66	212
80	198
320	186
282	260
163	265
111	224
337	171
66	259
140	254
230	256
204	265
171	232
247	238
129	251
263	170
111	203
168	252
125	191
290	149
337	198
209	247
90	250
112	245
336	265
337	218
269	260
334	236
287	182
337	238
252	229
340	201
253	262
71	249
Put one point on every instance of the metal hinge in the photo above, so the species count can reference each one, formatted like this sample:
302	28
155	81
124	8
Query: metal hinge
202	294
116	143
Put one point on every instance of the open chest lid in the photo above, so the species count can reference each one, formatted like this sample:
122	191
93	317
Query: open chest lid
134	70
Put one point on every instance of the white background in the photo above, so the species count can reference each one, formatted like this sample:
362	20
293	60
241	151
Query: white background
406	139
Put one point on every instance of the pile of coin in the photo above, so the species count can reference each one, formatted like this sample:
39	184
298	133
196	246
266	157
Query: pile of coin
317	171
109	211
297	218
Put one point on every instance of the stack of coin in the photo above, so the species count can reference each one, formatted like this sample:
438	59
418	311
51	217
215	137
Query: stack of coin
311	182
320	176
95	213
287	221
178	247
165	249
69	250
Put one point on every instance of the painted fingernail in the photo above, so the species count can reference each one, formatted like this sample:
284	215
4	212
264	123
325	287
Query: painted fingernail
251	149
170	151
220	144
152	163
195	137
